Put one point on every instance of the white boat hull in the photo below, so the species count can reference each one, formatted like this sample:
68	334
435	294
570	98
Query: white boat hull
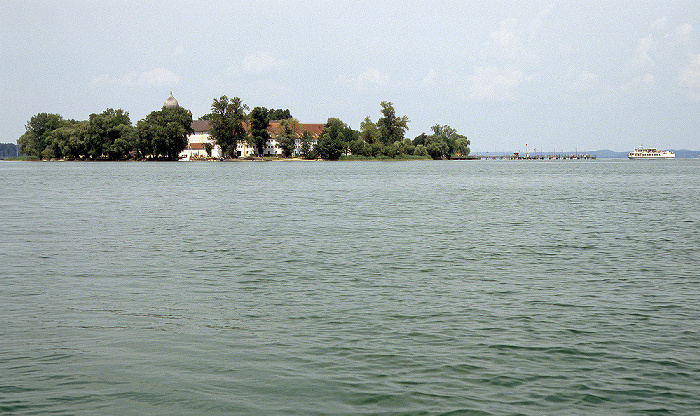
650	153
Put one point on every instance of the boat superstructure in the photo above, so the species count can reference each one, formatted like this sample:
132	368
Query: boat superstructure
650	153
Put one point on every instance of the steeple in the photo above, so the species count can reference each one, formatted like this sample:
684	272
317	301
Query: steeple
171	102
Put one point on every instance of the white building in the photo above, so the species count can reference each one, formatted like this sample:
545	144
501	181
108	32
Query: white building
201	145
197	142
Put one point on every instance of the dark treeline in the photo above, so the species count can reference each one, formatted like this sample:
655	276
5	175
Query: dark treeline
8	150
386	138
108	136
162	135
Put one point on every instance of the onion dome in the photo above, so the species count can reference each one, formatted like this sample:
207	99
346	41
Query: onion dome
171	102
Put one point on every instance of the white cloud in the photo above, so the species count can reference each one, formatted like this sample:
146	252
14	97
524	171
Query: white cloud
586	80
644	46
155	77
641	82
179	50
683	32
158	77
660	22
429	80
505	36
690	78
506	43
261	62
371	78
494	83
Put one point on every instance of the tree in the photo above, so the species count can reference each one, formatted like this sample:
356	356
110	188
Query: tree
278	114
420	151
369	131
226	120
436	147
305	148
408	147
420	139
163	134
391	128
34	141
332	143
360	148
444	142
74	134
287	136
259	135
8	150
462	146
109	135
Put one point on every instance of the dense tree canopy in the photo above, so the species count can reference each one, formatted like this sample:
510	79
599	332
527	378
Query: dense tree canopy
445	142
278	114
226	120
306	149
110	135
391	127
259	135
163	134
334	139
8	150
39	128
287	136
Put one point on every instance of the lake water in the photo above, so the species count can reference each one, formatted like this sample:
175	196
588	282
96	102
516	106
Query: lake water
353	288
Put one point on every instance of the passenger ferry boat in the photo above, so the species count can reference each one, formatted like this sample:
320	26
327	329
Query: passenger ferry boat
651	153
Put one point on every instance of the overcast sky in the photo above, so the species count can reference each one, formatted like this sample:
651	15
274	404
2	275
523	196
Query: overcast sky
584	75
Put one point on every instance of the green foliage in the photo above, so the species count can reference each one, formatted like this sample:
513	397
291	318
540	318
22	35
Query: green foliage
384	138
163	134
259	135
306	149
69	140
332	142
226	120
36	138
408	148
420	139
360	148
445	142
383	158
436	147
391	128
109	135
278	114
286	138
462	146
369	132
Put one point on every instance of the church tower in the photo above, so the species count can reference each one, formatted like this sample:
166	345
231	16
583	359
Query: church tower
171	102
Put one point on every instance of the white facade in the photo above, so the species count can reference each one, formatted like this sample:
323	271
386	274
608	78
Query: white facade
196	147
196	142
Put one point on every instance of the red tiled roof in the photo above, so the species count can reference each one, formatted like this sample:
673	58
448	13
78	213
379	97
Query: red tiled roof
203	126
195	146
200	126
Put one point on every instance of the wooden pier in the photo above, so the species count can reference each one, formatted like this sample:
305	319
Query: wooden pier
518	156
